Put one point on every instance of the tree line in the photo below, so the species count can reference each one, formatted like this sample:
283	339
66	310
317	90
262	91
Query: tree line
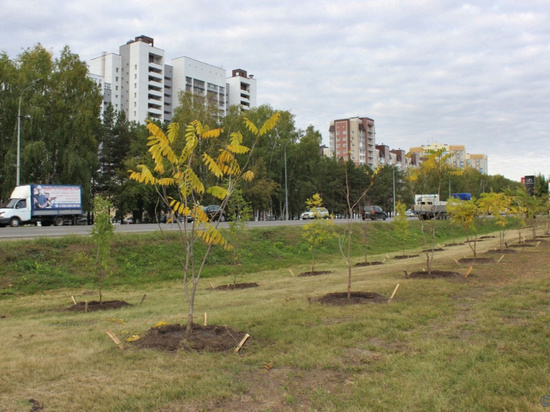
65	140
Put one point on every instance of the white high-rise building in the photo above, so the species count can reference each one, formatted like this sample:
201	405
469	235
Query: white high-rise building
241	90
144	86
201	79
140	82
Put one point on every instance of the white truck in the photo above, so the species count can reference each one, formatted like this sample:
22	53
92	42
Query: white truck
430	206
42	204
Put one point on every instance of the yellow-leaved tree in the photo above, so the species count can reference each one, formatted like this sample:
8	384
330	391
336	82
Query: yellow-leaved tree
182	175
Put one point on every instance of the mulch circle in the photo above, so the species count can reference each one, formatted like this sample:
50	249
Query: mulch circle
237	286
476	260
341	298
502	252
435	274
453	244
359	264
440	249
405	256
95	305
173	338
522	245
315	273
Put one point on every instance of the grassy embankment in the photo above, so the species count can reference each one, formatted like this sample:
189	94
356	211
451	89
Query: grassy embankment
465	344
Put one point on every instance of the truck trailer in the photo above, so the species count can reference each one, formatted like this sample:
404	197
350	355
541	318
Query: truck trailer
430	206
42	205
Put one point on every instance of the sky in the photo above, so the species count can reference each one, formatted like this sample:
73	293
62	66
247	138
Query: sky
468	73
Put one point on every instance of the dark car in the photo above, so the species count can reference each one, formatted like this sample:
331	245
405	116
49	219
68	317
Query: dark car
214	212
373	213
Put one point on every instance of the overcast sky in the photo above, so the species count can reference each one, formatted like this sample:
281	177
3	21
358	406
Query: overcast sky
472	73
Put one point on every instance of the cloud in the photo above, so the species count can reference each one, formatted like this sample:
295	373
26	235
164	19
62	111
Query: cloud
471	73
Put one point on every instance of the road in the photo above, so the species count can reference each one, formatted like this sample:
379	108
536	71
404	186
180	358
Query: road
32	232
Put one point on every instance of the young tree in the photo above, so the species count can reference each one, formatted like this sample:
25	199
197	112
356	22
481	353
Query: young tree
318	231
344	240
499	206
182	190
102	236
401	224
465	213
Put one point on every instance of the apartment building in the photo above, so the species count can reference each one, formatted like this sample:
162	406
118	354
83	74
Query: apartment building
241	89
354	139
140	81
459	157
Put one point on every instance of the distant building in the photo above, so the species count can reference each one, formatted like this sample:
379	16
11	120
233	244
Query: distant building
139	81
459	157
353	139
241	89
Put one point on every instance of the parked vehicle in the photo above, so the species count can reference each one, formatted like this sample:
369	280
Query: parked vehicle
430	206
214	212
373	213
43	204
315	213
409	213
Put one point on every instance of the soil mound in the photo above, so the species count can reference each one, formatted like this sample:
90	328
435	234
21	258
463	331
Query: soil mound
341	298
315	273
368	263
95	305
434	274
203	338
233	286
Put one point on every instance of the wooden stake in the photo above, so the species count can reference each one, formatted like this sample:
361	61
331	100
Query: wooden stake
205	323
211	285
538	243
143	298
388	256
240	345
394	292
74	301
502	257
406	273
469	271
115	339
291	272
86	306
457	262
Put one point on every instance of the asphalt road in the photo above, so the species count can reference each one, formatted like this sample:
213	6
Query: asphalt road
32	232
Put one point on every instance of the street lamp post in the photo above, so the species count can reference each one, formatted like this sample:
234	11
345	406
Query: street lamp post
286	189
18	180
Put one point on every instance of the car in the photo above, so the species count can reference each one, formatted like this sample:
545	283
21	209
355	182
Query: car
373	213
315	213
214	212
409	213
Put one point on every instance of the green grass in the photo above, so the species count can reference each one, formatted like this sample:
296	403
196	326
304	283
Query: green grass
34	266
479	344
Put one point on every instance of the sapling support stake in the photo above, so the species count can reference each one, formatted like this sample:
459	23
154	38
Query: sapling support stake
469	271
394	292
85	306
205	323
291	272
500	260
115	339
143	298
406	273
74	301
211	285
241	343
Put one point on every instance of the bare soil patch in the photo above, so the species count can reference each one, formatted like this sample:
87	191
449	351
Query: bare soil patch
173	338
439	249
95	305
434	274
361	264
502	252
476	260
315	273
405	256
233	286
341	298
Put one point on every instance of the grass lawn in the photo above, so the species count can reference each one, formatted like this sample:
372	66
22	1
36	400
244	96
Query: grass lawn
460	344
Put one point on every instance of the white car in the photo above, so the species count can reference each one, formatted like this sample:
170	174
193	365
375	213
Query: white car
315	213
409	213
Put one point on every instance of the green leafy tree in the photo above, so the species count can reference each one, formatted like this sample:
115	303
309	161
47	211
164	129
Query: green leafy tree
401	224
499	206
102	236
176	170
465	213
318	231
239	213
